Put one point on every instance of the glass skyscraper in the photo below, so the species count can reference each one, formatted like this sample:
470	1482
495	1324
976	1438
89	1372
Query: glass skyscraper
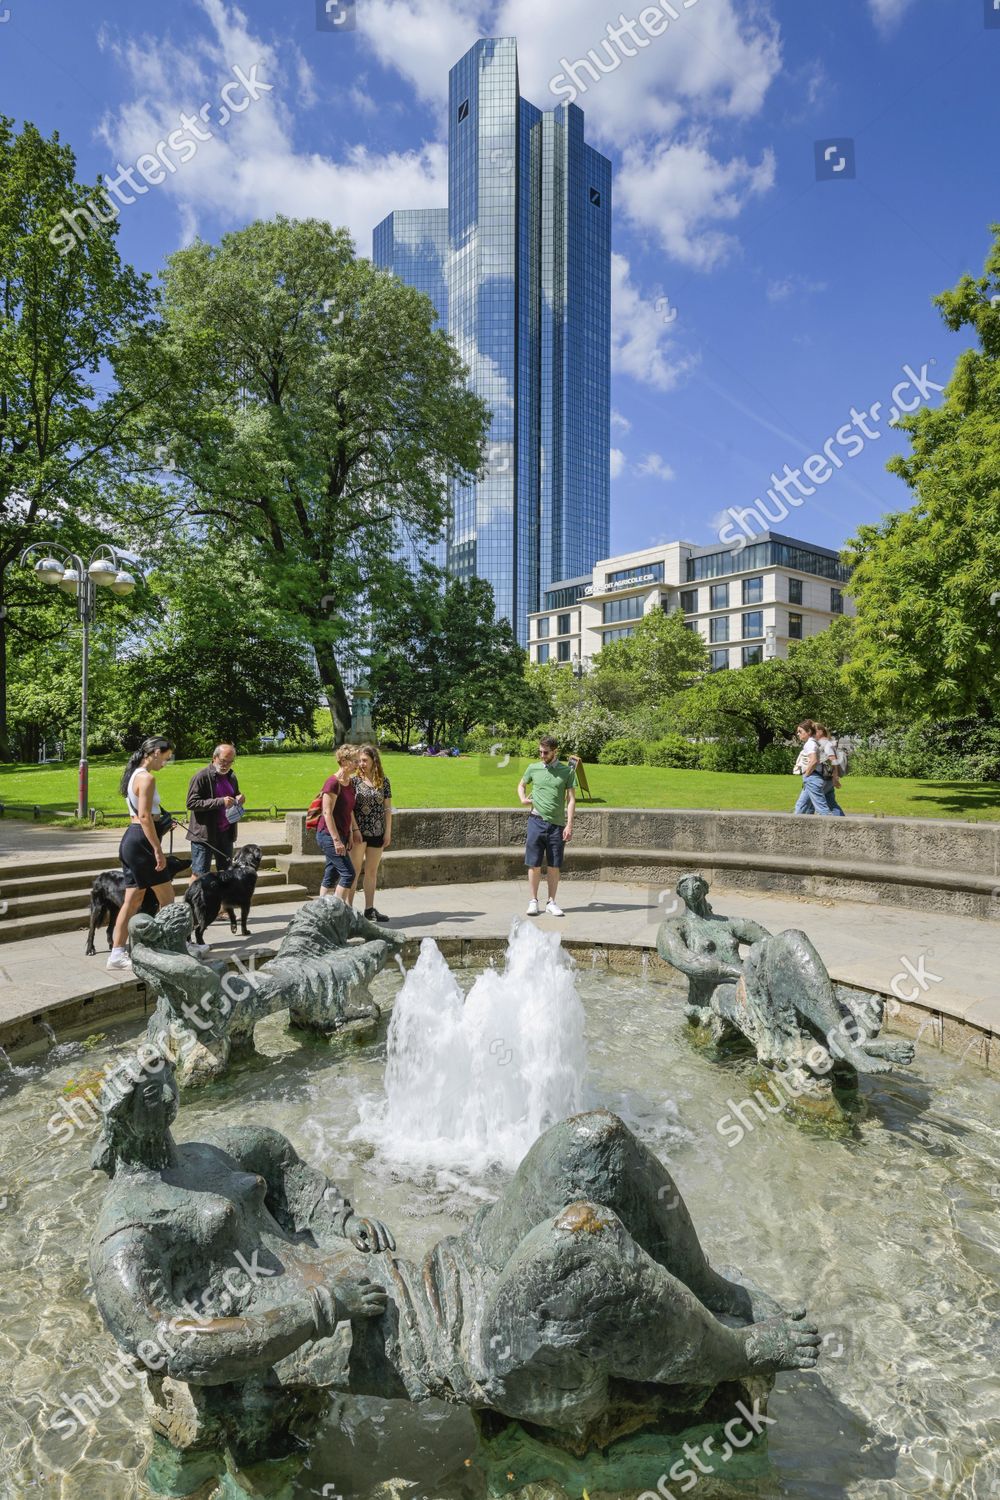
519	269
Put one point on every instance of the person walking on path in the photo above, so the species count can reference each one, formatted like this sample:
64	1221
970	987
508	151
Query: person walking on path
550	825
212	796
828	766
337	829
373	816
812	798
142	858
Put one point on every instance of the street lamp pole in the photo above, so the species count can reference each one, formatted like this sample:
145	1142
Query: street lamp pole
66	570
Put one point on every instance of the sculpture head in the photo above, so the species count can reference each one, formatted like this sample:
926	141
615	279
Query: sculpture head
138	1110
693	889
167	932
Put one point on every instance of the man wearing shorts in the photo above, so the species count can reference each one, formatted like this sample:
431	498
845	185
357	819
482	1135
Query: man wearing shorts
552	800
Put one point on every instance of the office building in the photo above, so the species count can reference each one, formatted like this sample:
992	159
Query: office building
747	603
519	268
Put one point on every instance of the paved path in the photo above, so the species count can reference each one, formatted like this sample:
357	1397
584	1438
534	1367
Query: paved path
861	944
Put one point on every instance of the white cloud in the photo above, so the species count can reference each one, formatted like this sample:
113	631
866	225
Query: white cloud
888	13
679	193
617	463
640	344
620	421
422	39
654	466
252	167
784	287
715	58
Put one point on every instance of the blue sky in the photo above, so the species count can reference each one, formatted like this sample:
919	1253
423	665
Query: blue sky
754	306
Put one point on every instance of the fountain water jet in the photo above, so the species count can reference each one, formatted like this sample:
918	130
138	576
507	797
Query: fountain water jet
473	1080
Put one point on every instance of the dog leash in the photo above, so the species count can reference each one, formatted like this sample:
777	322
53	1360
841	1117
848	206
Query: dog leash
187	829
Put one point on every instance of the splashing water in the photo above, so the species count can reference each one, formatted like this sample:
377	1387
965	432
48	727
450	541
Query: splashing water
473	1080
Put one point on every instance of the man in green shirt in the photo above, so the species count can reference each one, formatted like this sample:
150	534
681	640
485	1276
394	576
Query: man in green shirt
552	800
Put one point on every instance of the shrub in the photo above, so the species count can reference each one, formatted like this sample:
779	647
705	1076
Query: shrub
675	751
625	751
585	730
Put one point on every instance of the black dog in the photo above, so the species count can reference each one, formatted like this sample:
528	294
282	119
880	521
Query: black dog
225	891
108	893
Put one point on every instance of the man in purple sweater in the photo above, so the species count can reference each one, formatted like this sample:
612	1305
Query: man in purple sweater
212	791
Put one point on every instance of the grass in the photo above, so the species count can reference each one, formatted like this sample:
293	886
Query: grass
291	781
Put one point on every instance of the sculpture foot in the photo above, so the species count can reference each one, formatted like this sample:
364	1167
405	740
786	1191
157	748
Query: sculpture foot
741	1299
900	1053
782	1344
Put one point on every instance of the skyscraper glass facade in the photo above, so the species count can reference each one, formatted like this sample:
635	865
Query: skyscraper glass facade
525	253
413	243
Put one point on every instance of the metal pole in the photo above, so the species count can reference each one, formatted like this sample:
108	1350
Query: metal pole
86	592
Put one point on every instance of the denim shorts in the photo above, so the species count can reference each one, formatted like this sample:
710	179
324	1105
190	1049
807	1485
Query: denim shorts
339	868
544	838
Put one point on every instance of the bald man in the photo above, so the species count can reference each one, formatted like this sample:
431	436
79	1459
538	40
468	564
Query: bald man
212	792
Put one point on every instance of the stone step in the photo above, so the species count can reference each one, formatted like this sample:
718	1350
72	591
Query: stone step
14	929
16	882
77	898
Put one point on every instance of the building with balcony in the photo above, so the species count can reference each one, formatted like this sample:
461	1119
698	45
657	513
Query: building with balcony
747	603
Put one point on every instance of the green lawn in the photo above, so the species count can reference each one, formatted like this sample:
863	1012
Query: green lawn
291	781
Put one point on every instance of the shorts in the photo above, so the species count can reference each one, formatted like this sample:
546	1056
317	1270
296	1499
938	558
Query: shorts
544	838
139	861
372	841
202	855
339	868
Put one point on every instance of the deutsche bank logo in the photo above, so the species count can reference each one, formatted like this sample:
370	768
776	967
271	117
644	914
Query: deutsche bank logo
835	159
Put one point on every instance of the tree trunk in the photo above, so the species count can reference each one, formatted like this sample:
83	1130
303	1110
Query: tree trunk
336	696
765	737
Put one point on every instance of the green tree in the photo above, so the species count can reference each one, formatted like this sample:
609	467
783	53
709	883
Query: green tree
65	316
765	702
927	580
660	659
313	408
441	660
222	663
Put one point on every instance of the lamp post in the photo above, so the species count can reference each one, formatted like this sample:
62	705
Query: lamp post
579	672
67	571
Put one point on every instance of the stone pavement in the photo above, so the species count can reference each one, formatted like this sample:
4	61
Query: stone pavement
24	842
942	961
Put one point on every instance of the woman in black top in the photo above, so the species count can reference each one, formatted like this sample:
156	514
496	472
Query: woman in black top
373	812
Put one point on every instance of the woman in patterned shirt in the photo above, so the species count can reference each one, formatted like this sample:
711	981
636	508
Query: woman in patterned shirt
373	811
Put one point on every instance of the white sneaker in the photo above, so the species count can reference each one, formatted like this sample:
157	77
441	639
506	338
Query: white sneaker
119	959
552	909
532	907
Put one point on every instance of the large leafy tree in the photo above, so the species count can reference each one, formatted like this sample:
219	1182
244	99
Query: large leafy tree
764	703
659	659
927	579
441	661
312	408
68	309
220	663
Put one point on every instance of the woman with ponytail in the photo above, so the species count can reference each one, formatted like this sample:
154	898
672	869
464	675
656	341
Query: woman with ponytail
143	860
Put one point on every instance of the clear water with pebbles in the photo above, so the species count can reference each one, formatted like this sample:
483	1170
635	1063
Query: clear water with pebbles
893	1240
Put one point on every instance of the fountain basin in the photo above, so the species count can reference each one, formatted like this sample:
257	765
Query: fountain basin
892	1237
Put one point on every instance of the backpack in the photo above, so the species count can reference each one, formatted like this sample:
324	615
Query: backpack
314	812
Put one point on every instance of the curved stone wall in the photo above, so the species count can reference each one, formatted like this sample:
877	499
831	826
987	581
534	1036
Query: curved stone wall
929	864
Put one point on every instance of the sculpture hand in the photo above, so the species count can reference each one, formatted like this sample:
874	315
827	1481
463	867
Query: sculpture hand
360	1298
369	1235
